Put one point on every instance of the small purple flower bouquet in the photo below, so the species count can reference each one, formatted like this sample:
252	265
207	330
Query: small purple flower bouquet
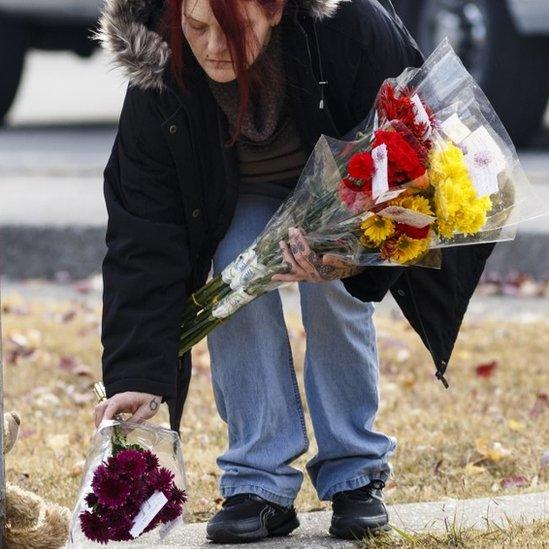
133	485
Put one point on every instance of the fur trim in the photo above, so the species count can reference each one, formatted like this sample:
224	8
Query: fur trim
141	53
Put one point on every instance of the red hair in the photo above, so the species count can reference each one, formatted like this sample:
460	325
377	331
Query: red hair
229	16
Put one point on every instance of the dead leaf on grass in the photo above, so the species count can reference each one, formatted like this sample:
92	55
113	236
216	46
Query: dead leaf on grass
541	403
486	369
492	452
515	481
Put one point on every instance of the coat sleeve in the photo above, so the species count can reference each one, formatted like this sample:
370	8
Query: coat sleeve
147	265
388	50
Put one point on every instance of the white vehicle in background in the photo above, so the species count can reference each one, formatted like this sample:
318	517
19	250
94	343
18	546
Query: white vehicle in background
45	25
503	43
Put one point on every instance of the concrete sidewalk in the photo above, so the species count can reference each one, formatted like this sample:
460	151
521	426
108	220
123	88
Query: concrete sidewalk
413	518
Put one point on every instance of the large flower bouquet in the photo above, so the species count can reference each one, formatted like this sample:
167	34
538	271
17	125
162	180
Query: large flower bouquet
133	484
432	166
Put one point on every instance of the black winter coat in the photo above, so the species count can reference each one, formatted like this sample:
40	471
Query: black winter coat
171	185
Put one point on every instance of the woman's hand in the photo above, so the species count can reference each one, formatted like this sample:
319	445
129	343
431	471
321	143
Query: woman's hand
308	266
142	405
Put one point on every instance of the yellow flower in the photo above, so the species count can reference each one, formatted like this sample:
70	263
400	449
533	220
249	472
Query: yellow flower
416	203
377	229
406	249
458	207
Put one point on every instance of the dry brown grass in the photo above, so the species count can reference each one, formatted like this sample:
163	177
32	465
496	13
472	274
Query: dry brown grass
512	536
446	437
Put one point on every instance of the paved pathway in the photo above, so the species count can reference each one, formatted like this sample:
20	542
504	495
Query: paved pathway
410	517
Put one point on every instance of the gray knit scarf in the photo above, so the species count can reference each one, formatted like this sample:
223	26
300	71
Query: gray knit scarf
263	119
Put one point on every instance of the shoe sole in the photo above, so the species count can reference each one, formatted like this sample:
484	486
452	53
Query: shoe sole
340	528
226	536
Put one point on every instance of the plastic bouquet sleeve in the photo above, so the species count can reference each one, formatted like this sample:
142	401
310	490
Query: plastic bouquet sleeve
431	167
132	489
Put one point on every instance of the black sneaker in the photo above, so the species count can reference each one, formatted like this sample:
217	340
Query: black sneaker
249	517
359	512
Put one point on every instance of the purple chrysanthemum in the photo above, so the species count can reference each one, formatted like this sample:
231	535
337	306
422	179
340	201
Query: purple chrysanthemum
110	490
177	495
161	479
130	462
119	526
94	527
152	460
91	499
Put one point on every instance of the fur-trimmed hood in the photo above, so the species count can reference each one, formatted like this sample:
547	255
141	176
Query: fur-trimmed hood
125	33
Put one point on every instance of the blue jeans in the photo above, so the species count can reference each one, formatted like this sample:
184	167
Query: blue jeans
256	390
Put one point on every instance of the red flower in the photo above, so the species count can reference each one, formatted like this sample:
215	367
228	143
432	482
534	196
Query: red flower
355	200
393	107
405	164
94	527
361	166
412	232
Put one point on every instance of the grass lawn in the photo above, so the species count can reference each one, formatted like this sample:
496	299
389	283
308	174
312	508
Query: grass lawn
514	535
486	435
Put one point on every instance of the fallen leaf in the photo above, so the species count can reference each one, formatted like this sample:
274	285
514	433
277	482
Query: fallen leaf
19	339
26	433
516	426
486	369
68	316
542	402
495	452
67	363
516	481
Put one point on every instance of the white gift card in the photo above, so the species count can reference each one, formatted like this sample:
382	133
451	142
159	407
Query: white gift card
483	172
389	195
480	141
380	181
148	511
455	129
422	117
406	216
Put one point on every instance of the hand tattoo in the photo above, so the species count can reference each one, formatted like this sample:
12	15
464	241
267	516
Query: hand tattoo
153	404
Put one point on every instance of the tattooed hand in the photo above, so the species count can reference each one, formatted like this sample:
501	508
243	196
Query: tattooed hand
142	406
305	265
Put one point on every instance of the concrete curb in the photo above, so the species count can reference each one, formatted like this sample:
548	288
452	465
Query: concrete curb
413	518
34	251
